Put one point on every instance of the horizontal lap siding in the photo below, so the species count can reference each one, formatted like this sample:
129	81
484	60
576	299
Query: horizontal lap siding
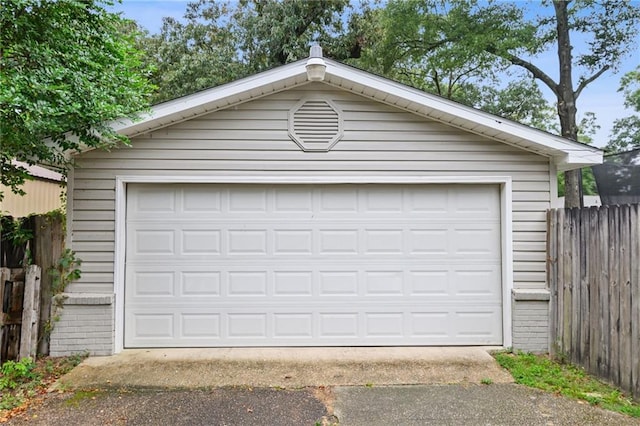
253	137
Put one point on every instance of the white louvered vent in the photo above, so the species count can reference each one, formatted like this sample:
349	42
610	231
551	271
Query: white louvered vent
315	124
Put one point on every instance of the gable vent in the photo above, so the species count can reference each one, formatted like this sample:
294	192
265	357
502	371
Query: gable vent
315	124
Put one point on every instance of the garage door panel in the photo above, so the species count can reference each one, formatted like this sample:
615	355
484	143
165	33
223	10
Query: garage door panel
298	326
469	239
288	242
396	282
247	265
324	202
153	326
155	239
478	281
475	324
289	200
200	241
293	283
153	283
468	201
199	199
421	280
205	326
153	200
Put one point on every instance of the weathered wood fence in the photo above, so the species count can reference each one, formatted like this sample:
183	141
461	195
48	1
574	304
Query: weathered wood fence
593	270
25	289
20	313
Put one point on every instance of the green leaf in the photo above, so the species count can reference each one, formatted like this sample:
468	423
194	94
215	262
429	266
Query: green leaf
67	67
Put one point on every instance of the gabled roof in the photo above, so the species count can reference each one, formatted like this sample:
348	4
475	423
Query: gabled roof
566	154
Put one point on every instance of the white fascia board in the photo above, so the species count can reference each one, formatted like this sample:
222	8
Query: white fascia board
39	171
574	154
578	160
207	101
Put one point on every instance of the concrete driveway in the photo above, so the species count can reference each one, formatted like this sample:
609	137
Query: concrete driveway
345	386
286	367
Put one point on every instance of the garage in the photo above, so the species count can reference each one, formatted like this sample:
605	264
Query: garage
293	208
221	265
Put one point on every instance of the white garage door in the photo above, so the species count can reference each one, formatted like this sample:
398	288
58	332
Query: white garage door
303	265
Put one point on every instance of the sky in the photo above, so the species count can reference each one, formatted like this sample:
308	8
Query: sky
600	97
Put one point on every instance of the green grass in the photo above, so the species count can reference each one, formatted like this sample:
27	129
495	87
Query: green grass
539	371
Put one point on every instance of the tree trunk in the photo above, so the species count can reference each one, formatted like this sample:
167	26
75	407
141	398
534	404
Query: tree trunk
573	189
567	103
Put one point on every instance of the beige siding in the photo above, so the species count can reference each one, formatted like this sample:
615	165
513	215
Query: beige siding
253	136
42	196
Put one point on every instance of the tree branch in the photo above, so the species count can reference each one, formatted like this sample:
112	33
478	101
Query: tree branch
465	73
585	82
436	80
420	44
537	72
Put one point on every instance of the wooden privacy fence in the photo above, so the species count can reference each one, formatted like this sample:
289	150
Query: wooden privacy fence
20	313
593	270
26	290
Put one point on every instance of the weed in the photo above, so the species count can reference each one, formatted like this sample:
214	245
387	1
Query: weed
25	379
11	400
369	385
65	271
330	421
541	372
486	381
16	382
15	373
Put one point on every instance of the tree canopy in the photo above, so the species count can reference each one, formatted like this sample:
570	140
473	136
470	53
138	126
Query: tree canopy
216	42
626	131
491	35
68	67
424	44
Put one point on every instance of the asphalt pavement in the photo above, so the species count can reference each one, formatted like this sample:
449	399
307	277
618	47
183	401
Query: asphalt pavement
469	404
477	404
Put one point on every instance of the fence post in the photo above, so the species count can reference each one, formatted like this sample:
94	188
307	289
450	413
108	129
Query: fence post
48	247
634	254
594	291
552	278
603	285
30	313
614	293
625	298
583	283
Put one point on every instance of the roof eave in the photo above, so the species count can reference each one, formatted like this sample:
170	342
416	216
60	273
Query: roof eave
565	153
574	161
210	100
